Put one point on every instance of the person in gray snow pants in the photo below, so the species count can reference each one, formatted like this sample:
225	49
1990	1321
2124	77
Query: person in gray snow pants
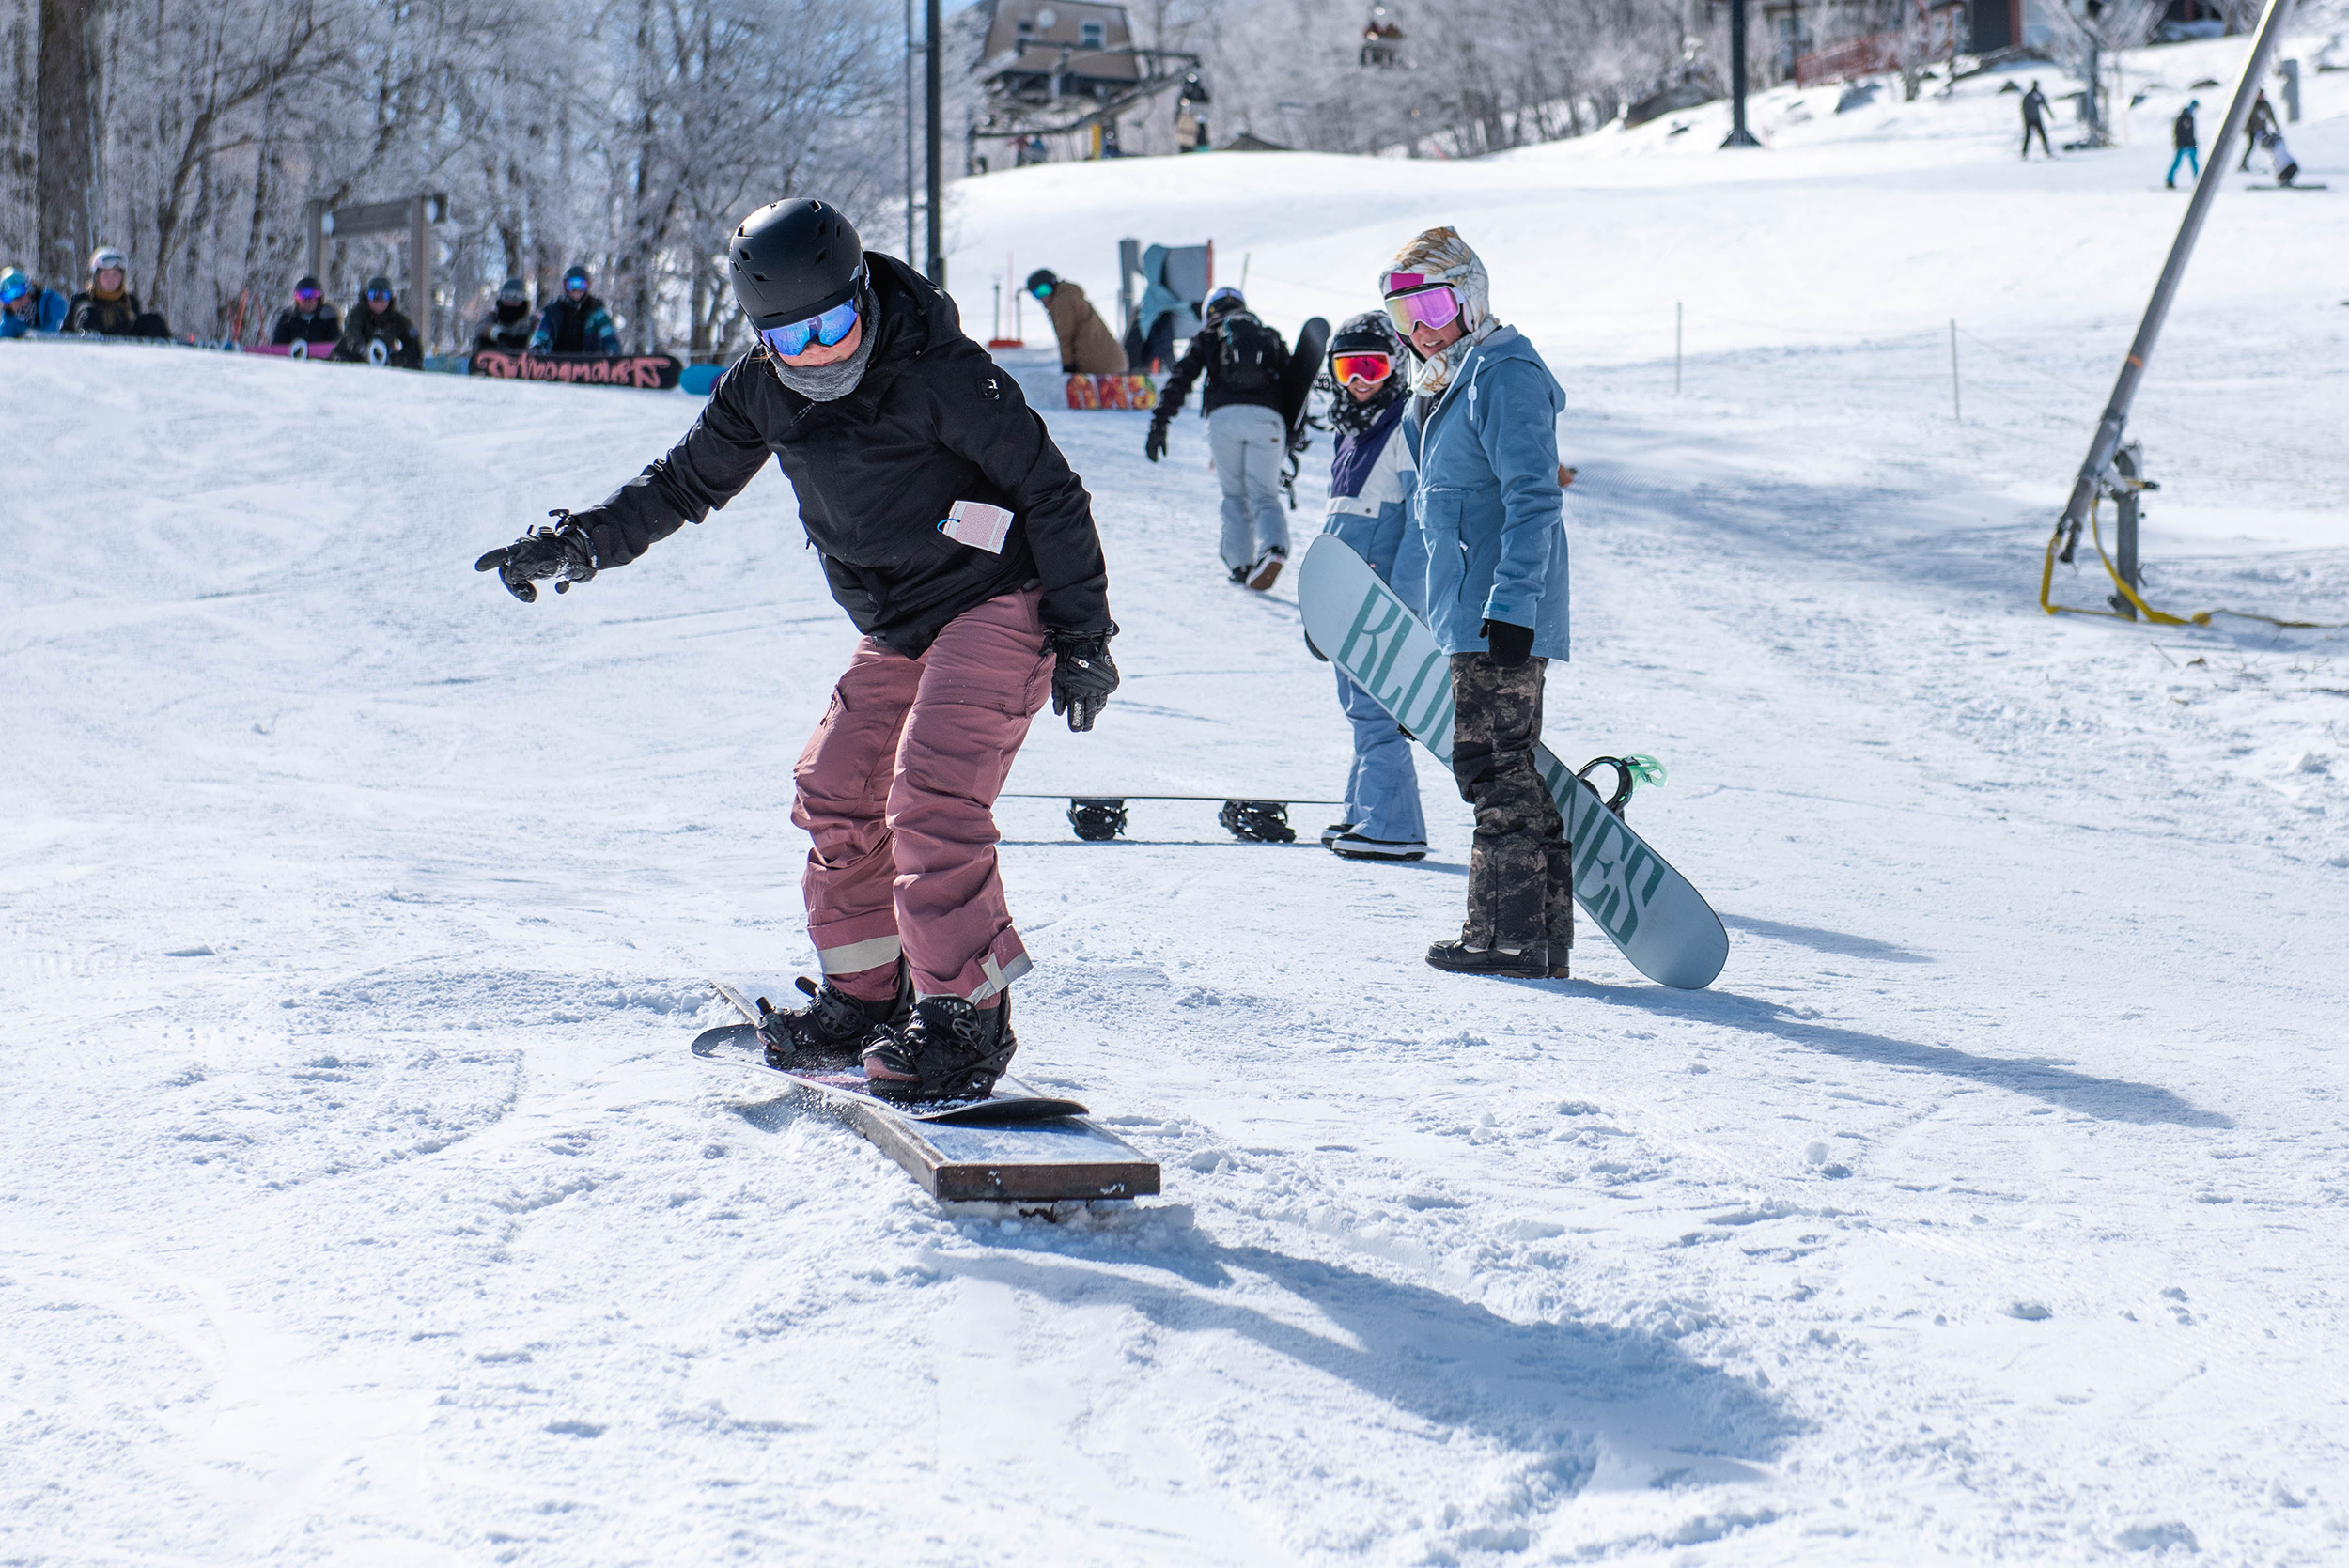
1249	445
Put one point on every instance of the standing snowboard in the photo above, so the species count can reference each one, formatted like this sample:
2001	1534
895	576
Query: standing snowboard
1297	387
1648	909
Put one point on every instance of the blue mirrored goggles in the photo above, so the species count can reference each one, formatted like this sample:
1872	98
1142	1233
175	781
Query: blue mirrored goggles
378	295
13	290
827	329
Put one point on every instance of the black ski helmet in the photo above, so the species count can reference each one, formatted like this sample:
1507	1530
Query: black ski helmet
1044	278
513	291
793	259
1366	333
1224	301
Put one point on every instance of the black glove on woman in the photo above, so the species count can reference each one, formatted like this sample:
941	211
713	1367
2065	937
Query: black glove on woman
1510	645
1084	675
1154	445
562	552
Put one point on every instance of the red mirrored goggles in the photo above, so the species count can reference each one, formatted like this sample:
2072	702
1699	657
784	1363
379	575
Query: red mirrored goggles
1438	306
1373	368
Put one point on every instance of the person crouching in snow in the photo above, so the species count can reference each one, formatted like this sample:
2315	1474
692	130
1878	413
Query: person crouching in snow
1370	481
886	419
1489	503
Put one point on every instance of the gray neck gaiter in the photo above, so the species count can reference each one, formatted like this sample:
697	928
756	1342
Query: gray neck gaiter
823	383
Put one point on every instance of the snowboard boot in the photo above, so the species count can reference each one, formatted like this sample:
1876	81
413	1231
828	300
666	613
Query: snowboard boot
1335	831
1356	847
1457	957
1268	568
952	1051
832	1024
1239	576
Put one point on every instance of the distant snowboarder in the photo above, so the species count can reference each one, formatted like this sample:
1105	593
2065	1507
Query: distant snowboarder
2188	145
2260	123
107	308
1369	486
376	320
1087	346
310	320
507	325
576	323
887	419
1243	360
2035	121
27	308
2279	157
1489	502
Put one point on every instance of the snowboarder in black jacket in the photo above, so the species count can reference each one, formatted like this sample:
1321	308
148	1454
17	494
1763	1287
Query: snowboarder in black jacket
508	325
576	323
2189	150
2035	119
310	319
954	534
378	319
1244	361
107	308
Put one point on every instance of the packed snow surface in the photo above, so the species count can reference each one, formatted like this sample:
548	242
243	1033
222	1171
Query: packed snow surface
361	1203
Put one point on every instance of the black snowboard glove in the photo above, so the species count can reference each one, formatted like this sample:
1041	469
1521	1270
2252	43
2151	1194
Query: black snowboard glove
1510	645
1154	445
1084	675
561	551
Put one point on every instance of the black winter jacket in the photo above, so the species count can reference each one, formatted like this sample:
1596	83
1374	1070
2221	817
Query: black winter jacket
324	325
2182	131
933	421
363	326
1205	353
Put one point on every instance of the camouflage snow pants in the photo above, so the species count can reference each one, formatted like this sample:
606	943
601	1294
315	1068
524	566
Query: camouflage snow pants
1520	869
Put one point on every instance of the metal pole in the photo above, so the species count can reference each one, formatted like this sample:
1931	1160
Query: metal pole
936	181
909	74
1958	408
2116	418
314	219
420	268
1738	135
1676	312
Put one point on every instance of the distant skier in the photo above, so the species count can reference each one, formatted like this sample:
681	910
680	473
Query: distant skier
310	320
1087	346
508	325
886	419
1488	502
377	332
2260	123
1244	361
107	308
576	323
27	308
1369	486
2035	121
2188	145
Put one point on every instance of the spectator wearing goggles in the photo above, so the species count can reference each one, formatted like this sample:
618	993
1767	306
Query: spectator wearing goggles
107	308
27	308
1087	346
1369	486
1489	510
576	323
377	332
310	320
509	324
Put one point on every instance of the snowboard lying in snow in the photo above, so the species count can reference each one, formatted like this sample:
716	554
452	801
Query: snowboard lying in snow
1648	909
1015	1145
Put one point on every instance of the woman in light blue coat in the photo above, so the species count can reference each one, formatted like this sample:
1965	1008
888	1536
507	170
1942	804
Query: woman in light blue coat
1489	509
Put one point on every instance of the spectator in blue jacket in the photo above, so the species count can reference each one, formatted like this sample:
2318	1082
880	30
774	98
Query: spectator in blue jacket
576	323
25	306
1489	507
1369	486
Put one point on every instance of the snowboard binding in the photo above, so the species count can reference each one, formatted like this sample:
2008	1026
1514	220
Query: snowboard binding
1257	821
1630	773
1096	819
831	1025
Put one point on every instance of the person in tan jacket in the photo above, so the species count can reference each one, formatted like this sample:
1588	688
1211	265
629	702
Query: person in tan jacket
1087	346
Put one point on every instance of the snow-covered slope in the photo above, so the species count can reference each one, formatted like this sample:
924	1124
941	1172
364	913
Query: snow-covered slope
359	1200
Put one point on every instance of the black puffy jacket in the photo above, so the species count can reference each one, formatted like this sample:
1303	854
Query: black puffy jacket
933	421
1205	354
323	325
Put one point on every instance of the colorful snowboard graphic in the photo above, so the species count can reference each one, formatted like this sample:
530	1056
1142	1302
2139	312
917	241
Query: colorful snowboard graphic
1648	909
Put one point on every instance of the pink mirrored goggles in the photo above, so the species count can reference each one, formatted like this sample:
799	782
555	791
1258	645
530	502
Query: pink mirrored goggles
1415	299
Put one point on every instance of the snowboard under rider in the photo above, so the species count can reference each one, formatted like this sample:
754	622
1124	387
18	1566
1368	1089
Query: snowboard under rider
576	323
376	320
887	419
2035	121
507	326
310	320
1488	502
1087	346
1244	361
1370	485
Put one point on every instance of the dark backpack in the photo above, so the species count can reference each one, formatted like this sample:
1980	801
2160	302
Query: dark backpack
1249	356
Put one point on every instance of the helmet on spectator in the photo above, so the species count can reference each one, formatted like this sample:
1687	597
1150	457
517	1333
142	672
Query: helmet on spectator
1224	301
575	279
513	291
14	286
1042	282
105	257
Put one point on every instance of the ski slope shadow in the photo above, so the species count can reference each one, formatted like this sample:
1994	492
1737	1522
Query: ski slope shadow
1841	944
1569	1395
2107	1099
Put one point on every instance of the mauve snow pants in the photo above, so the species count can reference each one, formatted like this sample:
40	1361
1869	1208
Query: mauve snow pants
897	788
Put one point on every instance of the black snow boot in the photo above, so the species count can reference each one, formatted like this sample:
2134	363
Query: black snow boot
832	1024
953	1050
1460	958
